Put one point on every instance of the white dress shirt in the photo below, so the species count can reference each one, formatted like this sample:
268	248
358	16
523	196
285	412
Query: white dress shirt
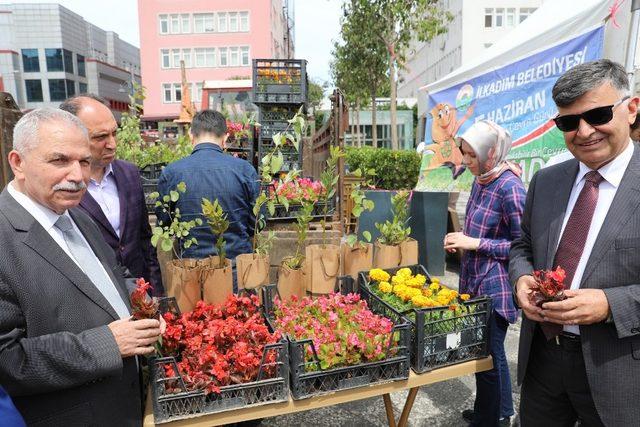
47	219
612	173
105	193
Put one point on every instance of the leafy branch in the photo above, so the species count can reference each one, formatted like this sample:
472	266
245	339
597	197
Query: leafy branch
218	222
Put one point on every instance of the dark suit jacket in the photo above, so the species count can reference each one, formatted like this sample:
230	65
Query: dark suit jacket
611	351
59	361
133	248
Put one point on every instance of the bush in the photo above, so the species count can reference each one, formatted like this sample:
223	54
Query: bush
395	170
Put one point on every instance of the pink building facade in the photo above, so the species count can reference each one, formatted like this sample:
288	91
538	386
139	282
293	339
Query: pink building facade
216	40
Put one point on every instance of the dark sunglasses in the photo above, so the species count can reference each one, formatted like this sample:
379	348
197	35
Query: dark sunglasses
595	117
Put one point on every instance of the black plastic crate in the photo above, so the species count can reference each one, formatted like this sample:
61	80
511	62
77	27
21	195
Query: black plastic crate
280	81
306	384
282	214
438	342
186	404
149	186
274	119
152	172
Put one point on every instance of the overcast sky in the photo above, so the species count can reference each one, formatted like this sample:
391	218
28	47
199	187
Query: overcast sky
317	24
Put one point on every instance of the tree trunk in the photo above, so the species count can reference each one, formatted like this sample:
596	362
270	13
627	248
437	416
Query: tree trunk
374	125
358	123
352	125
392	110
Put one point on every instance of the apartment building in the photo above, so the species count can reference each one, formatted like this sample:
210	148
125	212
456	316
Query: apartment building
48	53
215	40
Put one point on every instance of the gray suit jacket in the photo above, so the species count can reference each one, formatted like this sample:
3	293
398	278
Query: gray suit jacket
611	351
58	359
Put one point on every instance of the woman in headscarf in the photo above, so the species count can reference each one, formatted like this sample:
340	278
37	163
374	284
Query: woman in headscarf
491	223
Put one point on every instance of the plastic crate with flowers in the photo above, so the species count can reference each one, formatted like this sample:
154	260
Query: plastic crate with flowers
289	194
447	327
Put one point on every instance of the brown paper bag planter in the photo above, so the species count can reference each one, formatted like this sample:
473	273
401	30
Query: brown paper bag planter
291	282
356	259
184	282
323	266
217	283
252	270
387	256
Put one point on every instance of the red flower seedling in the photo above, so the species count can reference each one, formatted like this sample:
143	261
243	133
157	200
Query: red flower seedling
549	286
143	306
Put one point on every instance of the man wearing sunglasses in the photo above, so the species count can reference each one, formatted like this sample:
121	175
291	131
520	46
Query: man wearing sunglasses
579	358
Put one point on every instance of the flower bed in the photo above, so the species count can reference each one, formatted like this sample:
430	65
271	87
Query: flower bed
218	358
447	328
337	343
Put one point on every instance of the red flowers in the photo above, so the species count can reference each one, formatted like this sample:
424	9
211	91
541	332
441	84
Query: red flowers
142	305
549	285
217	346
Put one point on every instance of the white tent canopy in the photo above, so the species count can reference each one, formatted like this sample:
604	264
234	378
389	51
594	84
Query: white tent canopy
553	23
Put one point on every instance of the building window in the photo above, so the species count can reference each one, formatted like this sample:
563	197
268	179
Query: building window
511	17
488	18
244	21
197	92
71	87
186	57
82	87
205	57
166	59
203	23
68	61
164	24
57	90
166	91
174	20
525	12
244	53
34	90
234	56
31	61
222	22
54	59
81	68
177	92
186	23
175	57
499	17
233	22
223	57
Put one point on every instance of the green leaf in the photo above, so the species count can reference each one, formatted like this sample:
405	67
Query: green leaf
182	187
154	195
356	211
174	195
271	207
166	198
276	162
166	245
277	139
285	203
367	235
352	239
154	240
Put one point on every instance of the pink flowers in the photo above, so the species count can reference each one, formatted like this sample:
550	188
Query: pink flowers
343	330
299	189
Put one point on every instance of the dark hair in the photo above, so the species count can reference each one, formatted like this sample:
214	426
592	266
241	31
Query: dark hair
73	104
208	121
636	123
588	76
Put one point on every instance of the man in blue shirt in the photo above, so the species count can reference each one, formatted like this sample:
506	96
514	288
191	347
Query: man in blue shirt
212	174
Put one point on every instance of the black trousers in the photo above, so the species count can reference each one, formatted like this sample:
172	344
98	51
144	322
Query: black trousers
555	391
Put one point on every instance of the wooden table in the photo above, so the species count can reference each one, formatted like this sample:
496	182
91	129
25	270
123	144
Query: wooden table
272	410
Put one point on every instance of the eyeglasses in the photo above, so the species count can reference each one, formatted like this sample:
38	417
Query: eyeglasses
595	117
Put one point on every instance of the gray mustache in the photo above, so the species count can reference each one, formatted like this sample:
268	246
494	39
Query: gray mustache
70	186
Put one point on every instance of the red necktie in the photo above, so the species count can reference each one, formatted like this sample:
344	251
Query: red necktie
574	237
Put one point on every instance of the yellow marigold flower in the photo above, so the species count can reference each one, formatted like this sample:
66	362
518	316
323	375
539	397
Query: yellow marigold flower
427	292
421	279
404	272
420	301
453	293
379	275
385	287
397	280
434	286
435	280
465	297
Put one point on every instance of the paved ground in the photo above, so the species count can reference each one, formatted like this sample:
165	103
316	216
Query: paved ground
437	405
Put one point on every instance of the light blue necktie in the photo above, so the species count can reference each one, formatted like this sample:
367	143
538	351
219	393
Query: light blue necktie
91	266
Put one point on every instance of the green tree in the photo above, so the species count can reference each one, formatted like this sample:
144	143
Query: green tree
316	94
396	23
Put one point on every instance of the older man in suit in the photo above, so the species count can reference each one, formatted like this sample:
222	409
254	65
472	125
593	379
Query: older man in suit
115	199
68	346
579	359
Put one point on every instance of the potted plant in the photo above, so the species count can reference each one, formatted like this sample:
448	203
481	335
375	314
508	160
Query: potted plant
216	274
171	234
323	260
357	255
394	247
253	268
291	274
